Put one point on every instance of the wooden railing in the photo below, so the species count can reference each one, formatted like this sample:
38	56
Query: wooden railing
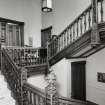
34	96
83	23
14	59
23	92
26	56
14	75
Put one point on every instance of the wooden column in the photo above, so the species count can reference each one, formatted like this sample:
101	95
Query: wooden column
95	39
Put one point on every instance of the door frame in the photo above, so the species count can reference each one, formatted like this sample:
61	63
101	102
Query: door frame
82	62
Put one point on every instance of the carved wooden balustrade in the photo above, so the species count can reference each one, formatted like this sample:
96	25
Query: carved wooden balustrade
23	92
14	75
34	96
81	25
15	59
27	56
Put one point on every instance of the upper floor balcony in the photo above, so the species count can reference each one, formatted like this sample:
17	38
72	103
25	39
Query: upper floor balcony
83	37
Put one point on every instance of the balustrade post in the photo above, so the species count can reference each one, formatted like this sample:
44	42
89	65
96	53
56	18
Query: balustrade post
51	89
95	39
23	80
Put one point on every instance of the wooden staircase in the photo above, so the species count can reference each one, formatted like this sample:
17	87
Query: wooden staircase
24	93
82	38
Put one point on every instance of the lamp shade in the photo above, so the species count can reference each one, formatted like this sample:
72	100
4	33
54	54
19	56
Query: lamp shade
46	5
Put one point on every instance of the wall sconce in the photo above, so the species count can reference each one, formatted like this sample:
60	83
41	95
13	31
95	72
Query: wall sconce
46	5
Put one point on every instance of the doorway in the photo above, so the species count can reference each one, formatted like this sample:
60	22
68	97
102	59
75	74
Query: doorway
78	80
45	36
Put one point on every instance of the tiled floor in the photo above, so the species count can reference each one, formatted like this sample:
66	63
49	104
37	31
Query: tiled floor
5	93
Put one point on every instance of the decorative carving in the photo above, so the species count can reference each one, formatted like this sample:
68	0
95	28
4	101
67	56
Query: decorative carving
51	88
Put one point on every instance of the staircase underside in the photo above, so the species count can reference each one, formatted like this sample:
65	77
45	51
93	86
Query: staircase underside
36	69
81	48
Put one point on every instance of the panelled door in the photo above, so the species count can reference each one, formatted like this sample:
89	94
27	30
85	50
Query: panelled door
78	81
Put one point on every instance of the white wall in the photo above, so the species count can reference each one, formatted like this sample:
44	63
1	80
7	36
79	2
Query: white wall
95	90
28	11
64	12
61	69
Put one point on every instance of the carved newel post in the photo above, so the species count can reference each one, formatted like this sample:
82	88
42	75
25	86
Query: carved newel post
51	88
23	80
95	39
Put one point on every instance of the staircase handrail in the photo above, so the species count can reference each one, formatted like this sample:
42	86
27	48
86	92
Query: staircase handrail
10	60
15	76
60	34
87	20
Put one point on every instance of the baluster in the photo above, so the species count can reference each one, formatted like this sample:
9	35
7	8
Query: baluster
77	28
48	51
56	45
70	35
85	22
62	41
67	32
73	32
30	97
64	35
37	100
89	18
81	25
101	10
